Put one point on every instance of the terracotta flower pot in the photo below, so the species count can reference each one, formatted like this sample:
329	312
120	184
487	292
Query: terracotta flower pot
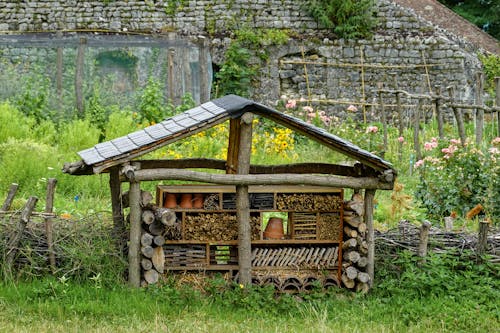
198	200
274	228
170	200
186	200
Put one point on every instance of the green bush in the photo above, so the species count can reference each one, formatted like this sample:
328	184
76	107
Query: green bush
77	135
13	124
236	73
455	178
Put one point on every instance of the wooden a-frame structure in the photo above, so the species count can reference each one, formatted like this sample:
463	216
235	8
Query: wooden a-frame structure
120	156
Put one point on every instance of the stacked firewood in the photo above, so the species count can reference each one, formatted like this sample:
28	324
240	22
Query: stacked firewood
355	246
308	202
216	227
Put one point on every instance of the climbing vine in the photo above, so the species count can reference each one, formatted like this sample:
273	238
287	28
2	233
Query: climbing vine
347	18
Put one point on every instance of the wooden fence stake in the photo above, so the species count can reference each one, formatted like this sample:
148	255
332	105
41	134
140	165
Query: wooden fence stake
383	115
10	197
134	257
424	238
439	114
370	235
479	111
242	202
497	102
459	118
49	205
482	240
416	130
14	241
79	74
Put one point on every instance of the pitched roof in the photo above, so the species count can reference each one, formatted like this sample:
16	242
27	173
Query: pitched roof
133	145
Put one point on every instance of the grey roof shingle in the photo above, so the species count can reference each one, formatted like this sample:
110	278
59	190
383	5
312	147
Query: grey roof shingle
174	128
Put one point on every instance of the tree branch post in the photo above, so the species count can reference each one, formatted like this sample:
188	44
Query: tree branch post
134	257
49	205
370	235
242	201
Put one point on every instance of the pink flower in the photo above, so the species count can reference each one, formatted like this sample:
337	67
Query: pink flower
419	163
455	142
401	139
496	141
372	129
434	139
291	104
352	108
430	145
494	150
308	108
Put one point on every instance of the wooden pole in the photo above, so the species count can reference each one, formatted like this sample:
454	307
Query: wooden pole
10	197
424	238
49	205
79	73
59	71
233	146
400	125
170	57
482	241
134	257
416	130
116	206
439	114
459	119
362	57
383	115
479	111
497	102
370	234
242	202
204	77
13	244
267	179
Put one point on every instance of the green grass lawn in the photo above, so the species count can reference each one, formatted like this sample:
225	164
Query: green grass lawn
54	306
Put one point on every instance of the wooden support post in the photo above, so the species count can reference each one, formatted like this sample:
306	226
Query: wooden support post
482	240
14	241
383	115
116	206
10	197
416	130
497	102
170	59
242	202
424	238
479	111
400	125
439	114
134	257
203	61
59	71
49	205
370	234
459	118
79	70
233	146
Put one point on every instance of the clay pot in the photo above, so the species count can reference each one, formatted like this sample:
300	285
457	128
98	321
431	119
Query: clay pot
198	200
170	201
186	200
274	228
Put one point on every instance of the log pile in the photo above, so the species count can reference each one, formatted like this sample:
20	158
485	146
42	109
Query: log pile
355	247
216	227
329	226
308	202
296	257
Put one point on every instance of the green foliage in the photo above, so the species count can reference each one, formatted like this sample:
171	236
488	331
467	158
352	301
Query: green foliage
456	178
491	67
120	123
13	124
347	18
173	6
95	111
151	105
77	135
483	13
33	101
236	73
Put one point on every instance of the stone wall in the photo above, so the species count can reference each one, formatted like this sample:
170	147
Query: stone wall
405	52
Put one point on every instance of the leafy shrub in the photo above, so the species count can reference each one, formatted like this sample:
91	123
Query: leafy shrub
236	73
458	178
120	123
13	124
347	18
151	102
77	135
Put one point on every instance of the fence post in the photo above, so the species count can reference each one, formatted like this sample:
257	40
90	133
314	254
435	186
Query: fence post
49	205
14	241
482	240
439	114
10	197
79	73
497	102
424	238
458	117
479	111
382	113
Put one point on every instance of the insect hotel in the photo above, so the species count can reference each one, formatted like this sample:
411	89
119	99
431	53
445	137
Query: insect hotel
286	225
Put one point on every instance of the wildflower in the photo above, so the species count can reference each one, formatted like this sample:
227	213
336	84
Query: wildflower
352	108
241	286
496	141
430	145
454	141
308	109
372	129
419	163
494	150
401	139
66	216
291	103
